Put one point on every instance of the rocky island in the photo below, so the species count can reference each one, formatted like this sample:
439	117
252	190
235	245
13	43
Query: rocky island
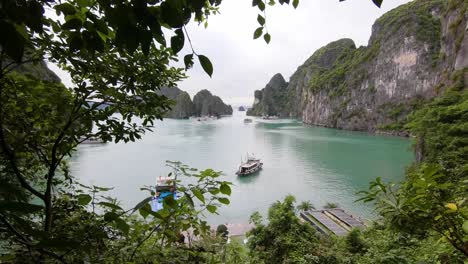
374	88
204	104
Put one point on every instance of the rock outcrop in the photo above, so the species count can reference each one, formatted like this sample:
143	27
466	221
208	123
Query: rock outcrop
271	100
411	54
183	107
204	104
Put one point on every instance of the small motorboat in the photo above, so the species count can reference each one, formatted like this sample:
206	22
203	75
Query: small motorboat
251	166
248	120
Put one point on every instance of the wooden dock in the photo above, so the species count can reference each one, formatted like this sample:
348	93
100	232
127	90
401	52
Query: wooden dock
332	221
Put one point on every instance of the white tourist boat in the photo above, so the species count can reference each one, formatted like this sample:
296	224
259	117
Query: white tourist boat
251	166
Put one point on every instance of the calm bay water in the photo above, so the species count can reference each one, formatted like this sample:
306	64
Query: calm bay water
312	163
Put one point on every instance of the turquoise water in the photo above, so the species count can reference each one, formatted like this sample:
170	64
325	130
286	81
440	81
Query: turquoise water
312	163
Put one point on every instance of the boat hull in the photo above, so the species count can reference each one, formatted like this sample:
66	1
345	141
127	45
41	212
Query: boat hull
251	171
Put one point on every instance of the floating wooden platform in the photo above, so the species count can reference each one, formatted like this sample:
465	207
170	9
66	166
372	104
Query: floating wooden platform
332	221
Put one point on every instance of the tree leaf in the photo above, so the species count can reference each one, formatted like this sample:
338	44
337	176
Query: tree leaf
224	200
169	200
261	5
378	2
199	195
258	32
110	205
188	61
295	3
189	199
211	208
65	8
110	216
74	23
267	38
145	210
177	41
261	20
225	189
84	199
206	64
142	203
122	225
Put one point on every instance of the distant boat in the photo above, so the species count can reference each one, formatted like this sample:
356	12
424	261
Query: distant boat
251	166
248	120
267	117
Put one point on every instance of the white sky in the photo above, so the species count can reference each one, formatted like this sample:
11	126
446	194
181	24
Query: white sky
243	65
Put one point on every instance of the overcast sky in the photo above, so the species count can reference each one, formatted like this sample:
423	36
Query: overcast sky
243	65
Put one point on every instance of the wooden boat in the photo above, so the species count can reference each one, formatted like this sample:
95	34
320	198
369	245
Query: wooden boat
251	166
165	187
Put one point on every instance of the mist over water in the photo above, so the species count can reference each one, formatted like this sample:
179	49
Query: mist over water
312	163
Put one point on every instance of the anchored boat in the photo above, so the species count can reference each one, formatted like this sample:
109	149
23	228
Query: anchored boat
251	166
165	187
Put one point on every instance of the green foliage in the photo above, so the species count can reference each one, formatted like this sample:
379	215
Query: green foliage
284	239
433	197
355	243
305	206
331	205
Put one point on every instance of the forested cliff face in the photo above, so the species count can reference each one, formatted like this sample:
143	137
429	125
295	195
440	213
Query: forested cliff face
204	103
207	104
411	56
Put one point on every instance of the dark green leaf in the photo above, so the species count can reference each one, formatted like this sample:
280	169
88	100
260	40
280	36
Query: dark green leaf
84	199
66	8
177	41
261	20
169	200
145	210
142	203
110	216
122	225
267	38
74	23
206	64
188	61
211	208
225	189
189	199
378	2
110	205
258	32
199	195
261	5
295	3
224	200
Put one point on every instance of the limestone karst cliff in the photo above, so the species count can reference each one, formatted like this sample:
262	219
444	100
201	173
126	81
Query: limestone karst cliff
413	52
207	104
204	104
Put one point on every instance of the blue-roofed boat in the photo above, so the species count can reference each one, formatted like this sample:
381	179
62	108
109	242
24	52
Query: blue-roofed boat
165	187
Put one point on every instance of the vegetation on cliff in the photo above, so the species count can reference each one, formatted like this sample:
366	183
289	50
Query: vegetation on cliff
206	104
271	100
